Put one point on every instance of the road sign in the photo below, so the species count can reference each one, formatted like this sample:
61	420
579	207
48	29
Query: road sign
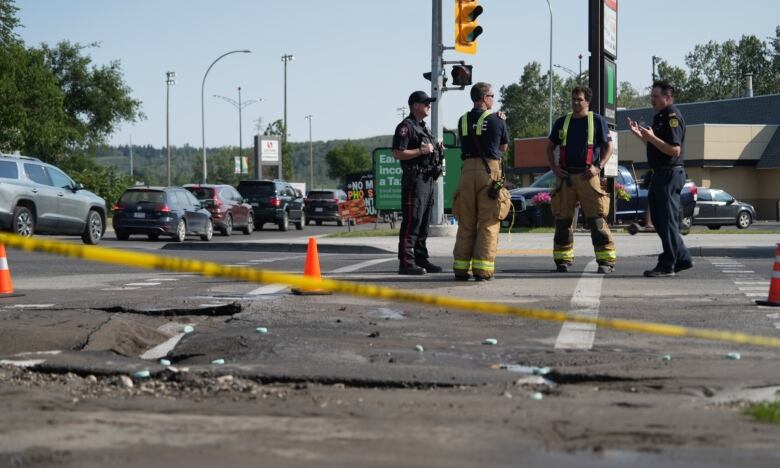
610	28
610	90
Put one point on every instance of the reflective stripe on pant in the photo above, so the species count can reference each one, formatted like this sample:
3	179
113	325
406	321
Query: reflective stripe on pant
594	203
416	205
664	201
478	223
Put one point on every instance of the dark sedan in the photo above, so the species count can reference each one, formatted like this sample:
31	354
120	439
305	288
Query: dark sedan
170	211
718	208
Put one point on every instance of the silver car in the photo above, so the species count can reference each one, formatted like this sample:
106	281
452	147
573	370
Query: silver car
36	197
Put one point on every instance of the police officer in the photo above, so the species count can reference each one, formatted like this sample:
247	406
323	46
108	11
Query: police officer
585	147
665	156
483	138
413	145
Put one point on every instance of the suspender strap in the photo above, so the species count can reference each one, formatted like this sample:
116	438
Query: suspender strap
565	134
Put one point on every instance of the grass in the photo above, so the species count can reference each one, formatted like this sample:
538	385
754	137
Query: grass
765	412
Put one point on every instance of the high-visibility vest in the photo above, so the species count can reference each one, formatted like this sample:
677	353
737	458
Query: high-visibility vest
563	133
464	123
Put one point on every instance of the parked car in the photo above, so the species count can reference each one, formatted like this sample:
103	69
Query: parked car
155	211
323	205
718	208
36	197
274	201
228	208
627	211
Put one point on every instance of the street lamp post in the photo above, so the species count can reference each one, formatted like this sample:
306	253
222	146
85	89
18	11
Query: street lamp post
285	58
240	105
311	155
551	66
169	80
579	77
203	106
655	60
567	70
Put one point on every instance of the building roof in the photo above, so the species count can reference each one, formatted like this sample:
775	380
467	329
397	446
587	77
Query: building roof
756	110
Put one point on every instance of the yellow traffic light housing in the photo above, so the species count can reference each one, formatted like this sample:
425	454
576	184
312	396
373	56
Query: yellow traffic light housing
466	28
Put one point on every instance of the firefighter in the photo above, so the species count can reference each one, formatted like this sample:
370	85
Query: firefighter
585	147
483	139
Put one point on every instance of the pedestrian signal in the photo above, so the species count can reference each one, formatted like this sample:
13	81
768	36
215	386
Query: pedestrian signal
466	28
461	75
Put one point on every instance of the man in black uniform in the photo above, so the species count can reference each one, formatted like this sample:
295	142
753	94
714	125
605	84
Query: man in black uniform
665	156
413	145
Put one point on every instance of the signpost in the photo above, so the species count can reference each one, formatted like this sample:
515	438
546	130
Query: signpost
267	153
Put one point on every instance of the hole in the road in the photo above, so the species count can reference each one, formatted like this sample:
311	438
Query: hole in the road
213	311
564	379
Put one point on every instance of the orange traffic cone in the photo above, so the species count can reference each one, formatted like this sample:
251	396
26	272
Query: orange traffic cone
311	270
6	285
774	284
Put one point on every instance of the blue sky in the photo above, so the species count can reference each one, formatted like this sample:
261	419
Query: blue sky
356	61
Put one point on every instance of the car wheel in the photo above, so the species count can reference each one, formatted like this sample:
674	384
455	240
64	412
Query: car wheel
181	231
121	235
93	231
153	236
714	227
285	222
228	226
319	223
209	231
685	225
250	224
744	220
23	223
301	222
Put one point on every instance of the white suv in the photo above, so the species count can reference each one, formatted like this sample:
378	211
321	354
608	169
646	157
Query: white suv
36	197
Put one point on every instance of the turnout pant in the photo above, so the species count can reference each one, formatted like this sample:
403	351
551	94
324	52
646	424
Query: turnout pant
478	223
416	206
594	202
664	200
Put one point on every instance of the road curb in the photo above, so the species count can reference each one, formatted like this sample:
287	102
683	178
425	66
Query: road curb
277	247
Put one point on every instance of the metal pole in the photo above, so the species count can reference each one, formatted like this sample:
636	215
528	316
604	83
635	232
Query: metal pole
551	67
579	77
285	58
240	136
437	48
169	76
203	106
655	59
311	156
131	159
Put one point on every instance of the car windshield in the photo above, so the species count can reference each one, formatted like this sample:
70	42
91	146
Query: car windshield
545	181
142	196
321	195
256	190
202	193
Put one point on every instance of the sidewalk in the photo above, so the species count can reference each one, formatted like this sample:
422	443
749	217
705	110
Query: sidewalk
522	244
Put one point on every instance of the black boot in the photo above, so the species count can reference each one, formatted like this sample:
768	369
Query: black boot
429	267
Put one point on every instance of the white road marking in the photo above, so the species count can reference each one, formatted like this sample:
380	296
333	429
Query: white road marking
753	288
38	353
585	302
163	279
27	363
120	289
738	271
275	259
755	294
762	283
29	306
275	288
142	284
162	349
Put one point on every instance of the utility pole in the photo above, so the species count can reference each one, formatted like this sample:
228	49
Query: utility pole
655	60
311	156
131	159
437	49
169	80
285	58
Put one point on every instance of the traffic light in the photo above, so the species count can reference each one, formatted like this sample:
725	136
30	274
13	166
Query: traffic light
461	75
466	28
427	76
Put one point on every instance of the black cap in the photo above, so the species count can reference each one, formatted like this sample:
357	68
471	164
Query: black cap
421	97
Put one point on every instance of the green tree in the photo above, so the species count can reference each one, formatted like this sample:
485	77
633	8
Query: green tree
629	98
346	159
96	99
8	21
104	181
524	103
32	119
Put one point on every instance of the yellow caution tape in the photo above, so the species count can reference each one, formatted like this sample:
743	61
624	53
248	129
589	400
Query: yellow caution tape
158	262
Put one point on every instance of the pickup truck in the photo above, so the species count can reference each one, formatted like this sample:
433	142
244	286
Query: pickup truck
627	212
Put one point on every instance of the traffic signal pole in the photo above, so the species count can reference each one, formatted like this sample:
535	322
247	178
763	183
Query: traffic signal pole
437	49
